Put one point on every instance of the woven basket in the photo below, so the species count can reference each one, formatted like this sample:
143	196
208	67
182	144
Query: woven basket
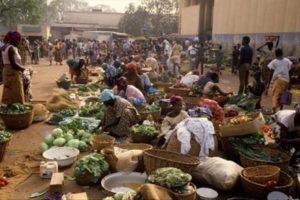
17	121
101	141
155	158
175	145
283	165
162	85
139	138
260	191
112	160
184	92
155	114
3	146
189	196
262	174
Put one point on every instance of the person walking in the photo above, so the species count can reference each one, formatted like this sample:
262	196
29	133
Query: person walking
280	73
235	59
245	62
219	59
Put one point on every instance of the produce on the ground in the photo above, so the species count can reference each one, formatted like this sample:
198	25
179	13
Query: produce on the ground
4	136
93	166
169	177
123	196
257	154
92	87
77	123
3	181
145	129
251	139
67	112
39	110
54	196
56	118
92	109
58	137
240	120
150	108
59	100
16	108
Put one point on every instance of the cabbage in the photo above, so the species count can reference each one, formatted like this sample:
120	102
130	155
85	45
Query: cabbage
86	135
108	198
82	146
80	132
43	147
73	143
59	142
68	136
119	196
58	132
49	139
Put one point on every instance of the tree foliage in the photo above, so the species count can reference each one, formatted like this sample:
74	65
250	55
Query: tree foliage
153	17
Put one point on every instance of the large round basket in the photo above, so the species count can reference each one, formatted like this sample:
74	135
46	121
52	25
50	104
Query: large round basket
17	121
101	141
189	196
184	92
3	146
277	153
262	174
64	85
155	115
139	138
260	191
162	85
155	158
112	160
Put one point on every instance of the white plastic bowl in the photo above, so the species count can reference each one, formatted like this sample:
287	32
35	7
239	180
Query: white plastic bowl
114	183
64	156
207	194
277	196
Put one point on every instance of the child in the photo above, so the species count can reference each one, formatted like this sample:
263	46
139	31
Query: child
257	88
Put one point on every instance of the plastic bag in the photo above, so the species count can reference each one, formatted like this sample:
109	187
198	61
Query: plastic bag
217	172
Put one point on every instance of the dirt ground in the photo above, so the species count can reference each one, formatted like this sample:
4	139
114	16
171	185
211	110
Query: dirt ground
24	146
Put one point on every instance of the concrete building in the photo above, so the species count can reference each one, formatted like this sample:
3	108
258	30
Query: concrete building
34	32
94	20
227	21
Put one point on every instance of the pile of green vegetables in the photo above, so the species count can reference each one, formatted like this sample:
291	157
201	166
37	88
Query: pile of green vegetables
88	88
257	154
170	177
4	136
61	115
123	196
92	166
150	108
77	123
251	139
92	109
16	108
145	129
79	139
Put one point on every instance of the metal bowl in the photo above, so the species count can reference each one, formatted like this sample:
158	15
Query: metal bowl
64	156
117	182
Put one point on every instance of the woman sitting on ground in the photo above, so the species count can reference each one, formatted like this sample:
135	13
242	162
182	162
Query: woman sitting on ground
119	116
212	91
176	115
130	92
75	66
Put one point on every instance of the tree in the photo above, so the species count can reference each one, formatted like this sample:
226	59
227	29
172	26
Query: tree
155	16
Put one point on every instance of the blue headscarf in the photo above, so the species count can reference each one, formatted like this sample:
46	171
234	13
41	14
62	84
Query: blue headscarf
107	95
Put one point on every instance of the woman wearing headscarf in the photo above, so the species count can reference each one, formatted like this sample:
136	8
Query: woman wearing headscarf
133	77
176	115
120	114
13	89
110	74
130	92
57	52
75	66
23	50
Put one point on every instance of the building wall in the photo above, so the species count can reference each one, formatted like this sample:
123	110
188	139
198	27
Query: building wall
189	20
109	20
34	30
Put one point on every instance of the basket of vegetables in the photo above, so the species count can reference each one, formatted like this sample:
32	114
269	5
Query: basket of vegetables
90	169
262	174
251	156
156	158
16	116
260	191
4	140
176	181
101	141
144	133
151	110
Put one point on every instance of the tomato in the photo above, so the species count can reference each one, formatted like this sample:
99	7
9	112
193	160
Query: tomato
271	184
4	179
2	184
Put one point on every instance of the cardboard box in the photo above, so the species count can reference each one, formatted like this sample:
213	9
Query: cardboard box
244	128
57	182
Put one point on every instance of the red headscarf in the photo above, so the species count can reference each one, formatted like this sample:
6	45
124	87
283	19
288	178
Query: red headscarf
122	83
175	99
12	37
132	66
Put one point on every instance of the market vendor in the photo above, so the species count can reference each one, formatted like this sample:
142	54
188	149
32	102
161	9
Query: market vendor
176	115
189	79
289	123
212	91
120	114
110	74
133	76
217	111
130	92
75	66
146	82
